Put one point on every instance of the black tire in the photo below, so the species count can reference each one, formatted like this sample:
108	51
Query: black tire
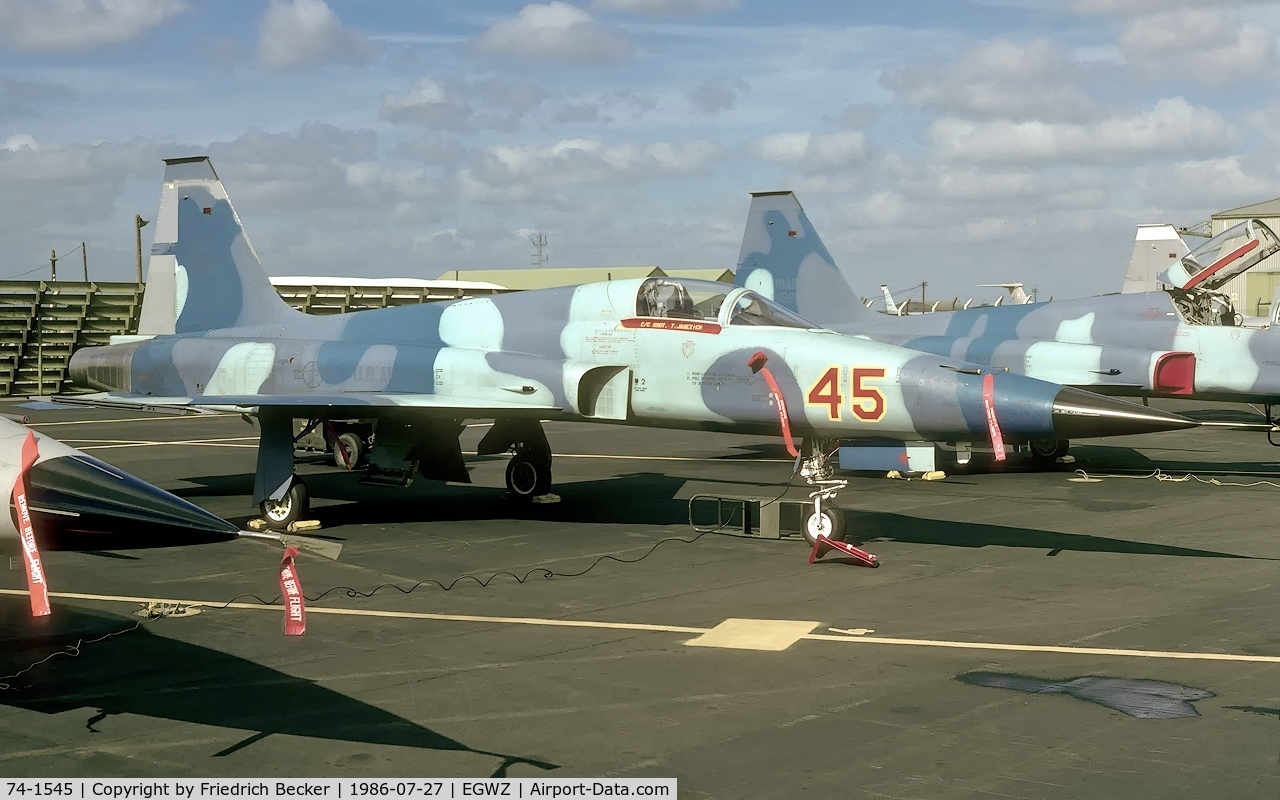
527	477
1047	451
355	451
295	505
831	524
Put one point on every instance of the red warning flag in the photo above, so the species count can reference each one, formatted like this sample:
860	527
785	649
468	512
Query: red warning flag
295	605
756	362
36	584
993	425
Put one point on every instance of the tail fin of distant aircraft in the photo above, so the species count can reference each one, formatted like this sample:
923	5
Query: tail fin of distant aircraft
203	273
782	258
1155	249
1017	296
889	305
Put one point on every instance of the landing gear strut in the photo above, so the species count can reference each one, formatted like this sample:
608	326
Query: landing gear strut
1273	426
1047	451
824	525
825	518
529	471
528	474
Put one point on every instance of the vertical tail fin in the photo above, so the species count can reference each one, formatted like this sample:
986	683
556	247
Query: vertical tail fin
783	259
1155	249
889	306
203	273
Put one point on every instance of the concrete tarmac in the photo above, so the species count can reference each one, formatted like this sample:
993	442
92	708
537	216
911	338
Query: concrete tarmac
992	654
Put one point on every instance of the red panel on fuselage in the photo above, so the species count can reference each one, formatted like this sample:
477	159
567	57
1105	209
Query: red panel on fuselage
1175	374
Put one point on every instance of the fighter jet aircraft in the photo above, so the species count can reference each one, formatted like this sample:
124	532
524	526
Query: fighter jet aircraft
80	503
653	352
1183	341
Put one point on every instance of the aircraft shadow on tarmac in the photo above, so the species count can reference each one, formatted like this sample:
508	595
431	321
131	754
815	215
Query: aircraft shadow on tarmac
140	673
871	526
1093	458
647	498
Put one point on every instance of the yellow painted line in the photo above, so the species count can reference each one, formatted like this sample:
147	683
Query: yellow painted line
360	612
721	460
66	439
1036	648
639	626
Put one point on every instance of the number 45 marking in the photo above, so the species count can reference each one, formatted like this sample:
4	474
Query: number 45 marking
866	401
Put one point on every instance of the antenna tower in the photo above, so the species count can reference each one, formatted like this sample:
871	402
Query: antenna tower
539	241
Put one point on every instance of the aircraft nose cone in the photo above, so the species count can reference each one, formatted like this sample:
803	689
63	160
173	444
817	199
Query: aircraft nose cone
1079	414
80	502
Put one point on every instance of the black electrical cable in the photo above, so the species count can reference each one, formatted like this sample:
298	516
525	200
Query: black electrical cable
74	650
520	579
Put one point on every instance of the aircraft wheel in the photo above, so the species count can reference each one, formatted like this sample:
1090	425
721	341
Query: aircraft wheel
830	523
527	477
354	449
295	505
1047	451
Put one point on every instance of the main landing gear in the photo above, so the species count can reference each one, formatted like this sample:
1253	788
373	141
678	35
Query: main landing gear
824	524
1046	452
293	506
529	471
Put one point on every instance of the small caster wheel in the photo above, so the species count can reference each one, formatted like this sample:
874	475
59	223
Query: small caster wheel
829	523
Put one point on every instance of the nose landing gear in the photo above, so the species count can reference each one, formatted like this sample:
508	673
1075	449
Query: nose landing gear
824	525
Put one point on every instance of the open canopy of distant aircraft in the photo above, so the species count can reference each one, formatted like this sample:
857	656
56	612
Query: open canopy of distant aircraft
1181	341
656	352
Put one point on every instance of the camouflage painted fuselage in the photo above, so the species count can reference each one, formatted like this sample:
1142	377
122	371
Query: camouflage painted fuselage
572	353
1123	344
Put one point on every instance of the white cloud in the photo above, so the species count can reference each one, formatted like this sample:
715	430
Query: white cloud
427	103
294	172
1151	6
460	106
1210	46
20	141
80	24
1207	184
298	34
666	8
811	151
1173	126
432	149
52	186
1000	80
715	96
19	97
514	172
553	32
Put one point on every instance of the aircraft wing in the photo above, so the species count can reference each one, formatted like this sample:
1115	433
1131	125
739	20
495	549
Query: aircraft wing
358	403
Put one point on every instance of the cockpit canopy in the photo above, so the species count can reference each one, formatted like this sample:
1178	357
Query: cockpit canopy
709	301
1223	257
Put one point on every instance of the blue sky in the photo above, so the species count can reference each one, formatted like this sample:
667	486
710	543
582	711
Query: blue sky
942	140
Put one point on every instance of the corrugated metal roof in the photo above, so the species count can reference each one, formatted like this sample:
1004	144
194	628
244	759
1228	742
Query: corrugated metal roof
330	280
1269	208
543	277
722	275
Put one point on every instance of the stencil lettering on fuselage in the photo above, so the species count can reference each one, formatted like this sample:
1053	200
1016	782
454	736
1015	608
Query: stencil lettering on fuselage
242	369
